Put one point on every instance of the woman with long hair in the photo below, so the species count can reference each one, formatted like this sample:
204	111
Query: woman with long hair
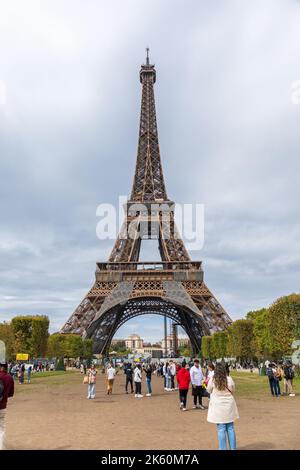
91	374
222	409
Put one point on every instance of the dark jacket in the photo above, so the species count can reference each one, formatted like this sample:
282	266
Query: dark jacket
9	388
128	372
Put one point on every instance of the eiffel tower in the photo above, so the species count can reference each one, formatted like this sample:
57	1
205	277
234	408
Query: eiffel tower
124	287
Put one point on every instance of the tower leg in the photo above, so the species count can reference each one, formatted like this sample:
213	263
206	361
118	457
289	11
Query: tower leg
166	334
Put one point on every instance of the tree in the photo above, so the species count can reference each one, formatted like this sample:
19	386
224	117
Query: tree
260	330
73	346
230	350
186	350
30	334
219	345
69	345
241	340
56	347
87	349
39	336
6	335
120	348
206	347
283	323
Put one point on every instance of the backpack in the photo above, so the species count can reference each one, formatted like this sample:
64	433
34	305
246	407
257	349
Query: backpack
270	372
289	373
1	389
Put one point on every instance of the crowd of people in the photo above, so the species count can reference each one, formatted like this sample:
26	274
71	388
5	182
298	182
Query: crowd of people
22	372
278	373
214	383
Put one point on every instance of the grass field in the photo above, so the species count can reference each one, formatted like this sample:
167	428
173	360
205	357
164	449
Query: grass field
46	379
253	386
248	385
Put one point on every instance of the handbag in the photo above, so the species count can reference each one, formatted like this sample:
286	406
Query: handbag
85	379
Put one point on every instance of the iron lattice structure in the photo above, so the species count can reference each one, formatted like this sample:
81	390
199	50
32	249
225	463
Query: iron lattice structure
124	287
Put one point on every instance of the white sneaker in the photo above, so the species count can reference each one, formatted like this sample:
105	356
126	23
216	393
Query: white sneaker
166	389
181	405
194	407
183	409
291	394
140	396
148	394
136	395
201	407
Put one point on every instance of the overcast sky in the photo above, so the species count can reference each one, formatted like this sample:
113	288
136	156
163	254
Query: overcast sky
229	138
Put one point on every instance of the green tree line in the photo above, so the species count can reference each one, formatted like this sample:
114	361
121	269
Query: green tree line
30	335
268	332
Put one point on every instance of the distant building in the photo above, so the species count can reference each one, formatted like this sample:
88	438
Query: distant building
181	341
116	341
134	342
168	345
154	352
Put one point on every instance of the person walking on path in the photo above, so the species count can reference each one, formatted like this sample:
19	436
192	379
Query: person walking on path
183	380
288	373
166	375
6	392
129	373
172	367
222	409
110	373
91	373
21	374
148	380
138	381
29	373
197	379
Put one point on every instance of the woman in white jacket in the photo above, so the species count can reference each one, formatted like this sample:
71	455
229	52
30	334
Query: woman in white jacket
222	408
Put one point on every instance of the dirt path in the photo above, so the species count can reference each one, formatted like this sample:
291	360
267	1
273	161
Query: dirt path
55	414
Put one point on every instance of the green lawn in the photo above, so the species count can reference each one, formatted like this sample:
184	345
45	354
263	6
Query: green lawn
255	386
47	379
247	385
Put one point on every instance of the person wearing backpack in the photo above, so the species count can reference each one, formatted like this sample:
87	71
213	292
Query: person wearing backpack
6	391
288	374
272	382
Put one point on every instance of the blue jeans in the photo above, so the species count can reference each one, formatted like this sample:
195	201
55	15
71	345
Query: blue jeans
149	385
91	390
277	387
274	386
223	429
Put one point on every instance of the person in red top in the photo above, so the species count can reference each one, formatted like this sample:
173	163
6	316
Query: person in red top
183	380
7	391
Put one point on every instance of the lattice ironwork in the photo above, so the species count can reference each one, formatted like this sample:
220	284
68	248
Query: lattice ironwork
126	288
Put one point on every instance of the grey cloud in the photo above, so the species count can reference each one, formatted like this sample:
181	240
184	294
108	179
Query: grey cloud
229	137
